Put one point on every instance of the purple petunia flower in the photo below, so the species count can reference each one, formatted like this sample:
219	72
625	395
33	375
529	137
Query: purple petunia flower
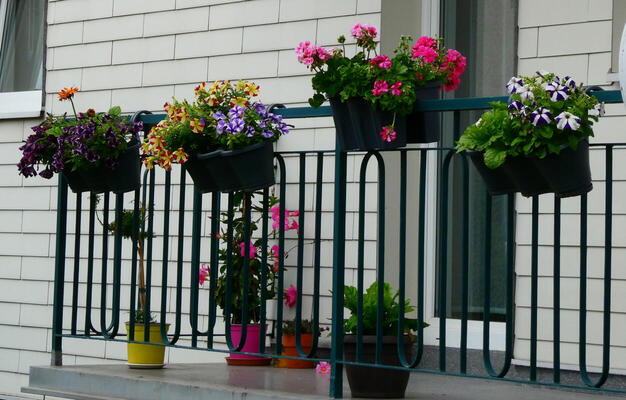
219	116
236	112
92	156
260	109
568	82
249	131
567	120
267	134
46	173
597	110
558	93
514	84
235	126
515	106
540	117
221	125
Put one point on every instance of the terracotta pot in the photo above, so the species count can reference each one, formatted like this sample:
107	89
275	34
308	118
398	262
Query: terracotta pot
289	349
251	345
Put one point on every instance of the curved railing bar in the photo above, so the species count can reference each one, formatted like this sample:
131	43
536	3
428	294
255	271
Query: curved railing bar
281	253
508	354
608	226
264	240
215	265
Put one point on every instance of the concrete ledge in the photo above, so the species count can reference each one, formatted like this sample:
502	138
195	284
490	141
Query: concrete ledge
219	381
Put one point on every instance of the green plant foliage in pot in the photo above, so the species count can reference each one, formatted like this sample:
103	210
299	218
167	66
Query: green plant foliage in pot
538	142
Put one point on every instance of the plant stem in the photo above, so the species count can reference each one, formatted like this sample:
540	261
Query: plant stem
142	282
73	108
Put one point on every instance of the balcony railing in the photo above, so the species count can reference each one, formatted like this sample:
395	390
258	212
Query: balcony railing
92	315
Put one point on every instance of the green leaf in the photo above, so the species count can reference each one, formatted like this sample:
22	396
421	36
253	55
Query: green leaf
115	110
494	157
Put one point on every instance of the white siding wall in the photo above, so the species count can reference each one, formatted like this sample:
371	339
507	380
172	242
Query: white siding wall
138	54
573	37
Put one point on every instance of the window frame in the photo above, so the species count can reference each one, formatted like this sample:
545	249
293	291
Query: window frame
23	104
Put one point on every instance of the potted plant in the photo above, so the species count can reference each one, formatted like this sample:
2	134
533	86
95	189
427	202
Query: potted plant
371	95
538	143
223	138
237	255
289	337
372	382
95	152
140	355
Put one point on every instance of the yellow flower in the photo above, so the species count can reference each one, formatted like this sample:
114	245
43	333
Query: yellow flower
252	89
212	100
241	85
149	162
180	156
214	87
197	125
240	101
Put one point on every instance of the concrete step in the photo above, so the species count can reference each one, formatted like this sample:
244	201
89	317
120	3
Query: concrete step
219	381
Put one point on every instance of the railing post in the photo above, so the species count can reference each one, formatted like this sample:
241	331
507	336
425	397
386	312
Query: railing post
339	245
59	273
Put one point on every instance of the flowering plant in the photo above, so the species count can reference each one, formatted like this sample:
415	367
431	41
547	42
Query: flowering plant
223	116
545	114
384	82
237	255
89	140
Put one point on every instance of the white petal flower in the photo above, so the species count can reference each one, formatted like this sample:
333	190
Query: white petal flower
479	121
597	110
514	84
567	120
526	93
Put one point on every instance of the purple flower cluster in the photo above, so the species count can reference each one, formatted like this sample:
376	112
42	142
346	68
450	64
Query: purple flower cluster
258	117
89	140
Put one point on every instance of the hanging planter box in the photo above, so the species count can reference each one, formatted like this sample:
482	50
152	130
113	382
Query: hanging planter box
248	169
424	126
125	177
566	174
358	125
371	382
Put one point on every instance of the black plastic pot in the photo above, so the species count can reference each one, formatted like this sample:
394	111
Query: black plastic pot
358	125
371	382
424	127
526	176
248	169
125	177
567	173
497	180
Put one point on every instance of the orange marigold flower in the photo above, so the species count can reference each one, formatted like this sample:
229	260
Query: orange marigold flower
66	93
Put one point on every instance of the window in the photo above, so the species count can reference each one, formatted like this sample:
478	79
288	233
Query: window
619	17
22	27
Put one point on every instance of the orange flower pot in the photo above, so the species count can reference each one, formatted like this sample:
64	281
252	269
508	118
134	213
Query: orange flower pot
289	349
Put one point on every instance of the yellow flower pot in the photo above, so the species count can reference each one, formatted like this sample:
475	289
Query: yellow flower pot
146	355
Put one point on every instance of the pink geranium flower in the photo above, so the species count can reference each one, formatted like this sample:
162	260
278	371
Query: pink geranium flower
204	273
427	54
388	134
427	41
381	61
396	88
290	296
380	87
253	250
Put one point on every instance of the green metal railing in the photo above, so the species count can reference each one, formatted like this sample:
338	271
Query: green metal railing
110	311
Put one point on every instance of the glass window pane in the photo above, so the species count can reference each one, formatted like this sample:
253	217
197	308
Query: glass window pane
21	54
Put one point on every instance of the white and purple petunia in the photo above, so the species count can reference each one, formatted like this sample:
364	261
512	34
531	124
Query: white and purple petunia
514	84
597	110
526	93
567	120
568	82
558	93
515	106
540	117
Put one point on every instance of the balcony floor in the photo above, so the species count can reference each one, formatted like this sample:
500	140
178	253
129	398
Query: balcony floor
218	381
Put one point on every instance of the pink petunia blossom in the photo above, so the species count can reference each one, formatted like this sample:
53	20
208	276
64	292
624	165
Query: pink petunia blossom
274	252
323	367
452	83
388	134
396	88
203	273
253	250
290	296
380	87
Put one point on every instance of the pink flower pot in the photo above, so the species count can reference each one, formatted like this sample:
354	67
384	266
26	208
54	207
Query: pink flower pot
251	345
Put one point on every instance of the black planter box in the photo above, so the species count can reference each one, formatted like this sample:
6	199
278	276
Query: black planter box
566	174
358	125
424	127
372	382
125	177
248	169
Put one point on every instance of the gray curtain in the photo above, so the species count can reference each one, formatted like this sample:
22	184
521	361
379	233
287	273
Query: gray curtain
22	51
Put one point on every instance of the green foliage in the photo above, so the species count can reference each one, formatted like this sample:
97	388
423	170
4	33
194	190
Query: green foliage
506	132
140	317
127	224
289	327
370	309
